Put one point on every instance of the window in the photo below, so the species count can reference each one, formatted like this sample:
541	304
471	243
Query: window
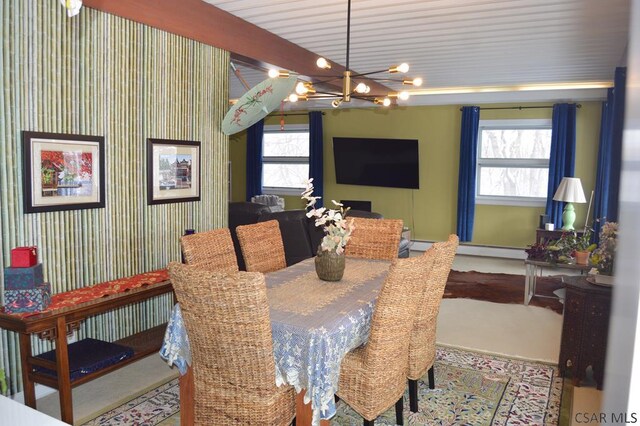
513	162
285	159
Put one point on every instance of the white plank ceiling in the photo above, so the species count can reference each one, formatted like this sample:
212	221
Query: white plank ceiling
457	43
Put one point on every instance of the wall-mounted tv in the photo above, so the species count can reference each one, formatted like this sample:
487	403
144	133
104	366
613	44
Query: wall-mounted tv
377	162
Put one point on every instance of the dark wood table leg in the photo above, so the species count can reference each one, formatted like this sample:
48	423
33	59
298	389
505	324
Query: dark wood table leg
304	414
187	395
62	364
27	384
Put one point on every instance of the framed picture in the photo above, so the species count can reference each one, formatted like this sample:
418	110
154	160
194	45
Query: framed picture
173	171
62	172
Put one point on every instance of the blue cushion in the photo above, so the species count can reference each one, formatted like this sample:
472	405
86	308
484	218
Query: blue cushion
87	356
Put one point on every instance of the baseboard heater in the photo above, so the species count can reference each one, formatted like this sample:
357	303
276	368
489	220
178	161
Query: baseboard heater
477	250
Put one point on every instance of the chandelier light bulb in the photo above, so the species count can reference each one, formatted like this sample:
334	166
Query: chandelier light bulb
386	102
403	68
404	95
417	82
301	88
323	63
362	88
273	73
293	97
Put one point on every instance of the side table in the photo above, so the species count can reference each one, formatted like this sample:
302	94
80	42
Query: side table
533	268
585	329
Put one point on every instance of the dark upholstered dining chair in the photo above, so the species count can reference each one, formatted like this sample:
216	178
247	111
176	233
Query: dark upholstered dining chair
422	347
262	247
211	250
374	238
373	376
226	316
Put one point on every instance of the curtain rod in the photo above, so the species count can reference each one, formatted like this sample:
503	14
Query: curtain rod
522	107
273	114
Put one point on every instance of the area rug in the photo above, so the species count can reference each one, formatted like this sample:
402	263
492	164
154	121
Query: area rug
471	389
501	288
151	408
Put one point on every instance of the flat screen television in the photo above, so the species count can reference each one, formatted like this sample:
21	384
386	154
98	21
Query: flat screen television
377	162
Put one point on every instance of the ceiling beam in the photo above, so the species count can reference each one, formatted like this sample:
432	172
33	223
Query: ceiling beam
203	22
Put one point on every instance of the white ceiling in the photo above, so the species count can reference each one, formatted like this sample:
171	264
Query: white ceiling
454	43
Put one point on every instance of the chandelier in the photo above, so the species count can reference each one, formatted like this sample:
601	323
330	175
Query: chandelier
353	84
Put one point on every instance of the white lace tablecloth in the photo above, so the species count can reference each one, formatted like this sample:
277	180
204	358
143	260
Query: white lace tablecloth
314	324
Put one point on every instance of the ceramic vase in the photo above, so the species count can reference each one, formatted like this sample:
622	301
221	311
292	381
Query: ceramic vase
329	265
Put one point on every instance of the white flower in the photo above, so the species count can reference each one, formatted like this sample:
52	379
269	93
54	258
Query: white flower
336	228
72	6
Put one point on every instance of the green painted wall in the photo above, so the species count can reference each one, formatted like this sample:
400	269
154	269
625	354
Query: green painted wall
431	210
98	74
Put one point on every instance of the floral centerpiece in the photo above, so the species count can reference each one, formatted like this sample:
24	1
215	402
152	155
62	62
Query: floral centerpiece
337	230
603	257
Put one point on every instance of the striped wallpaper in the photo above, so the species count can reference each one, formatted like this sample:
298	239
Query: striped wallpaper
98	74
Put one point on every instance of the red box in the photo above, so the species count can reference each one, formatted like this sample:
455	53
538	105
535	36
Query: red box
24	257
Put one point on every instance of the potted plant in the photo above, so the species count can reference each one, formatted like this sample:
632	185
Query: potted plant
537	251
603	257
562	249
584	247
330	257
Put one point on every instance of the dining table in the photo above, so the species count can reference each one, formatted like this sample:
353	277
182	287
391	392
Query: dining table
314	324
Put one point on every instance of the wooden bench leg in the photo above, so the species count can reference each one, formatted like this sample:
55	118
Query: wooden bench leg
27	384
62	366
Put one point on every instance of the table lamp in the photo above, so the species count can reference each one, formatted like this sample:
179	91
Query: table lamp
569	191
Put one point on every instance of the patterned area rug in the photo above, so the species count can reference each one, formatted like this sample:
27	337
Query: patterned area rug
471	389
478	389
152	408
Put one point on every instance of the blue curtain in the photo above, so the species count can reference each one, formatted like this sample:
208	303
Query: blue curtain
315	154
563	155
467	172
254	159
605	206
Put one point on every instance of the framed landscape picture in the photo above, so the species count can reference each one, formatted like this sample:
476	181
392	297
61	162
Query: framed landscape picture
173	171
62	172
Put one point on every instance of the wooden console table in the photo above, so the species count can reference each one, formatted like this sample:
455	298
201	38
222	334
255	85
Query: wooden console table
55	324
543	236
585	329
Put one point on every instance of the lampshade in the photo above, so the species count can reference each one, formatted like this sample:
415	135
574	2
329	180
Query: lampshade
570	191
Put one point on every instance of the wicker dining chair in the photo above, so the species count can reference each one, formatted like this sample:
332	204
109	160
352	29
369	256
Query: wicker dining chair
374	238
211	250
262	246
422	348
226	316
373	376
